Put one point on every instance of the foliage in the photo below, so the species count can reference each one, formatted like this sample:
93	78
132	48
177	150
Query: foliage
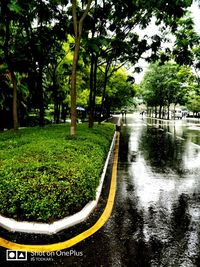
38	39
186	42
193	103
46	175
166	84
120	91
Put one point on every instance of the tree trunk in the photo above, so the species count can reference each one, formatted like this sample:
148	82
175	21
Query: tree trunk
93	86
78	26
10	66
174	110
57	112
168	112
15	116
160	111
91	115
107	104
41	97
64	109
104	90
156	112
73	88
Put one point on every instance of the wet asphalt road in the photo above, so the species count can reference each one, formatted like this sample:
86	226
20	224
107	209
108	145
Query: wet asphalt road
156	217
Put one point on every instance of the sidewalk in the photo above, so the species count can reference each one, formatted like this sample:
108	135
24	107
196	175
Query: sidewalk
195	120
114	119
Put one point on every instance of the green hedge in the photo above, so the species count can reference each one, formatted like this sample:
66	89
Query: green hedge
46	175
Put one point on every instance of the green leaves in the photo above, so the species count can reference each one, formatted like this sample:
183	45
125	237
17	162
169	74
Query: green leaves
14	7
163	84
186	40
46	175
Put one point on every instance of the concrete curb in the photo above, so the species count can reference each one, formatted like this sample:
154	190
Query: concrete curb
44	228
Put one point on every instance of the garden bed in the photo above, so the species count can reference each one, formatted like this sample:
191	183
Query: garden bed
46	175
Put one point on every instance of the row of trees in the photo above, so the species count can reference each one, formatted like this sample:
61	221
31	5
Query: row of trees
167	84
174	79
55	50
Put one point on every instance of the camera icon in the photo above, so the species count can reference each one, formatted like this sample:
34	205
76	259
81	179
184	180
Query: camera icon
16	255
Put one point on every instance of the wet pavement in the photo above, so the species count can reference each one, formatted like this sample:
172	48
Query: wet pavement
156	217
164	178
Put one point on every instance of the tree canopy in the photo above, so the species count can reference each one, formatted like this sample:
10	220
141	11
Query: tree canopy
166	84
55	55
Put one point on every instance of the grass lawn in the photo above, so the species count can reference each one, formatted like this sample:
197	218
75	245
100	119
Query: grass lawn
46	175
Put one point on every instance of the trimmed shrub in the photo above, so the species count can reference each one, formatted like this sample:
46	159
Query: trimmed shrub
46	175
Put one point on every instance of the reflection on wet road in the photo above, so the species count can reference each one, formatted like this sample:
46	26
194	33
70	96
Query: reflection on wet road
157	211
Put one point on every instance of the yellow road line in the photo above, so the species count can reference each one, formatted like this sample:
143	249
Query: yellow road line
74	240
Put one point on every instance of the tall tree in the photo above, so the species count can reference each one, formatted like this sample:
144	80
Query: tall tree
78	27
45	27
9	10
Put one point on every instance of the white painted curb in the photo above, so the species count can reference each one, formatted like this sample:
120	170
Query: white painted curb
44	228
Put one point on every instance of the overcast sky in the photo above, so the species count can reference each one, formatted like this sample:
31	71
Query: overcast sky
151	31
196	15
